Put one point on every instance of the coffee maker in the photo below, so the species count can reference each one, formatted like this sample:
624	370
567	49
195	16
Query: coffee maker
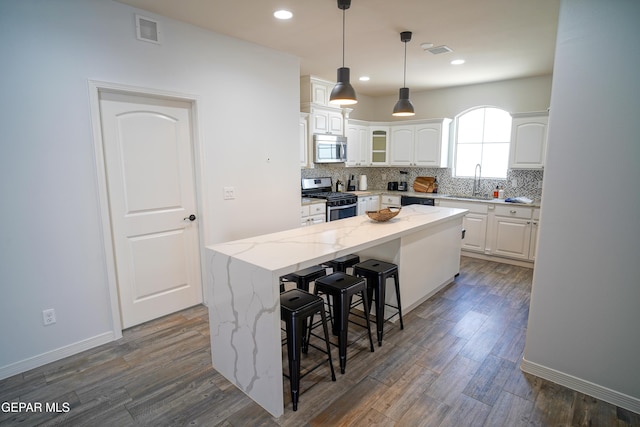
351	183
402	185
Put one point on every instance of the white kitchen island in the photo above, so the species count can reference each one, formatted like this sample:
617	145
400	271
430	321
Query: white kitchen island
244	289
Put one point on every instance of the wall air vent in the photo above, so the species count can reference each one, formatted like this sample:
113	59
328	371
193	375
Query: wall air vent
147	29
439	49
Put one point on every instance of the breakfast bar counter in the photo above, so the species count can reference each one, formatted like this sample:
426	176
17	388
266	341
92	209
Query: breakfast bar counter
243	283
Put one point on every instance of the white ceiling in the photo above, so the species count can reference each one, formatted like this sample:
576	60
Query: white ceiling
498	39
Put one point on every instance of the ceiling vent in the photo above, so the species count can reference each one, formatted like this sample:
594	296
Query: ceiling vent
439	49
147	29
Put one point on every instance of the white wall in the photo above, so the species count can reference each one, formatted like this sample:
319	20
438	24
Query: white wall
51	248
585	305
517	95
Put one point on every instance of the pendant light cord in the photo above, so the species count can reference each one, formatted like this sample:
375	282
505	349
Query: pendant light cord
404	79
343	33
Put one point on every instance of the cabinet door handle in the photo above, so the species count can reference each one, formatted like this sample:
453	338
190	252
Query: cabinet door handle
512	211
528	222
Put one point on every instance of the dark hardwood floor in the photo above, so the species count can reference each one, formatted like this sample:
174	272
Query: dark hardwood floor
456	363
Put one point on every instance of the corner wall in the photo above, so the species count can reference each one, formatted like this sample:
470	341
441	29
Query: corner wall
584	315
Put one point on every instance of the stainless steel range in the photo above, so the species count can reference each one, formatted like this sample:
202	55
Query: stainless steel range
339	205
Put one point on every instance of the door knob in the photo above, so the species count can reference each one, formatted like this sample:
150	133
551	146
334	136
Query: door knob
191	217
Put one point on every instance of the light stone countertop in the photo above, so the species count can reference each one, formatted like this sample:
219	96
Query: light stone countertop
297	248
310	201
442	196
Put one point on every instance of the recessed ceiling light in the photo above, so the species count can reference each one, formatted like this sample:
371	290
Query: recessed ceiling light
364	79
457	62
283	14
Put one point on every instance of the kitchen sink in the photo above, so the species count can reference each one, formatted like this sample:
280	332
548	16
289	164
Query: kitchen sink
463	196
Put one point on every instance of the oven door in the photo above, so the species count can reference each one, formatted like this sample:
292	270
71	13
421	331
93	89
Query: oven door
335	213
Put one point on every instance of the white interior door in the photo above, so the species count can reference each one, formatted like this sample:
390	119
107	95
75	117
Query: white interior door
150	176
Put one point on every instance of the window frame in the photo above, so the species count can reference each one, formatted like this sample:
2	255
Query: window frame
456	133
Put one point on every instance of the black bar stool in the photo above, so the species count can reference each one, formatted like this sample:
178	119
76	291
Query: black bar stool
341	287
377	272
296	306
342	263
303	277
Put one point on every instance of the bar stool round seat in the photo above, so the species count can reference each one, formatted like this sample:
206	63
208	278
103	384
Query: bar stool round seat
343	262
304	277
340	287
377	272
296	307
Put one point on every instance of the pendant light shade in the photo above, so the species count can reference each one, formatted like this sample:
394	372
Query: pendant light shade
343	93
404	107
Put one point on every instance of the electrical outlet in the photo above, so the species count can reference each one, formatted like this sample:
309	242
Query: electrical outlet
540	184
229	193
514	183
48	317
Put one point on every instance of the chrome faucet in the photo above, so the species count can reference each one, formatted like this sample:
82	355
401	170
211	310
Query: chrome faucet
476	180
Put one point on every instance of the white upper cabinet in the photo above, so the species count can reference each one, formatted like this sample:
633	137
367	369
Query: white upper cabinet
314	90
326	120
432	144
303	138
528	140
379	137
425	143
402	145
358	145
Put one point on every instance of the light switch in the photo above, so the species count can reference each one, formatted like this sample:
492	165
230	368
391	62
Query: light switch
229	193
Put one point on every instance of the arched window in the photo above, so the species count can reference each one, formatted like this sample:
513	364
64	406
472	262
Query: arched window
483	135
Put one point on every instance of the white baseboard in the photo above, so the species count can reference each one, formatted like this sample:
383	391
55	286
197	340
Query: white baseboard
53	355
599	392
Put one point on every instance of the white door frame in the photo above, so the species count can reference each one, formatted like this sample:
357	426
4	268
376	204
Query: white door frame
95	88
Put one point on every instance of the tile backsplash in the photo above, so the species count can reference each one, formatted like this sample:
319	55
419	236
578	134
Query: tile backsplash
528	183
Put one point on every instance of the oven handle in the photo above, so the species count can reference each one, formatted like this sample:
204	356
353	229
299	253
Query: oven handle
331	208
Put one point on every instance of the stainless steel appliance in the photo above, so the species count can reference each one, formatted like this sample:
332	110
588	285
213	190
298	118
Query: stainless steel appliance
339	205
403	186
411	200
329	148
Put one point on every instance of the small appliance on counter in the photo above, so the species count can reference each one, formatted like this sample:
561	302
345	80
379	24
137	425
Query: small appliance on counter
351	184
362	184
392	186
402	185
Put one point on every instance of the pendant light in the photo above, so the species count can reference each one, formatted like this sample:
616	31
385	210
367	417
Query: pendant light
404	107
343	93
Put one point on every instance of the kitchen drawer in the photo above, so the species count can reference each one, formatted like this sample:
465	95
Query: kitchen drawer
513	211
317	208
390	200
304	210
480	208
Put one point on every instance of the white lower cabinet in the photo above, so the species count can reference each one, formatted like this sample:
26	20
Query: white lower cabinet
533	244
514	232
387	201
504	231
314	213
368	203
474	223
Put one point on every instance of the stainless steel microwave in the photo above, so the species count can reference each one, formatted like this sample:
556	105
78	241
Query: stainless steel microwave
329	148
